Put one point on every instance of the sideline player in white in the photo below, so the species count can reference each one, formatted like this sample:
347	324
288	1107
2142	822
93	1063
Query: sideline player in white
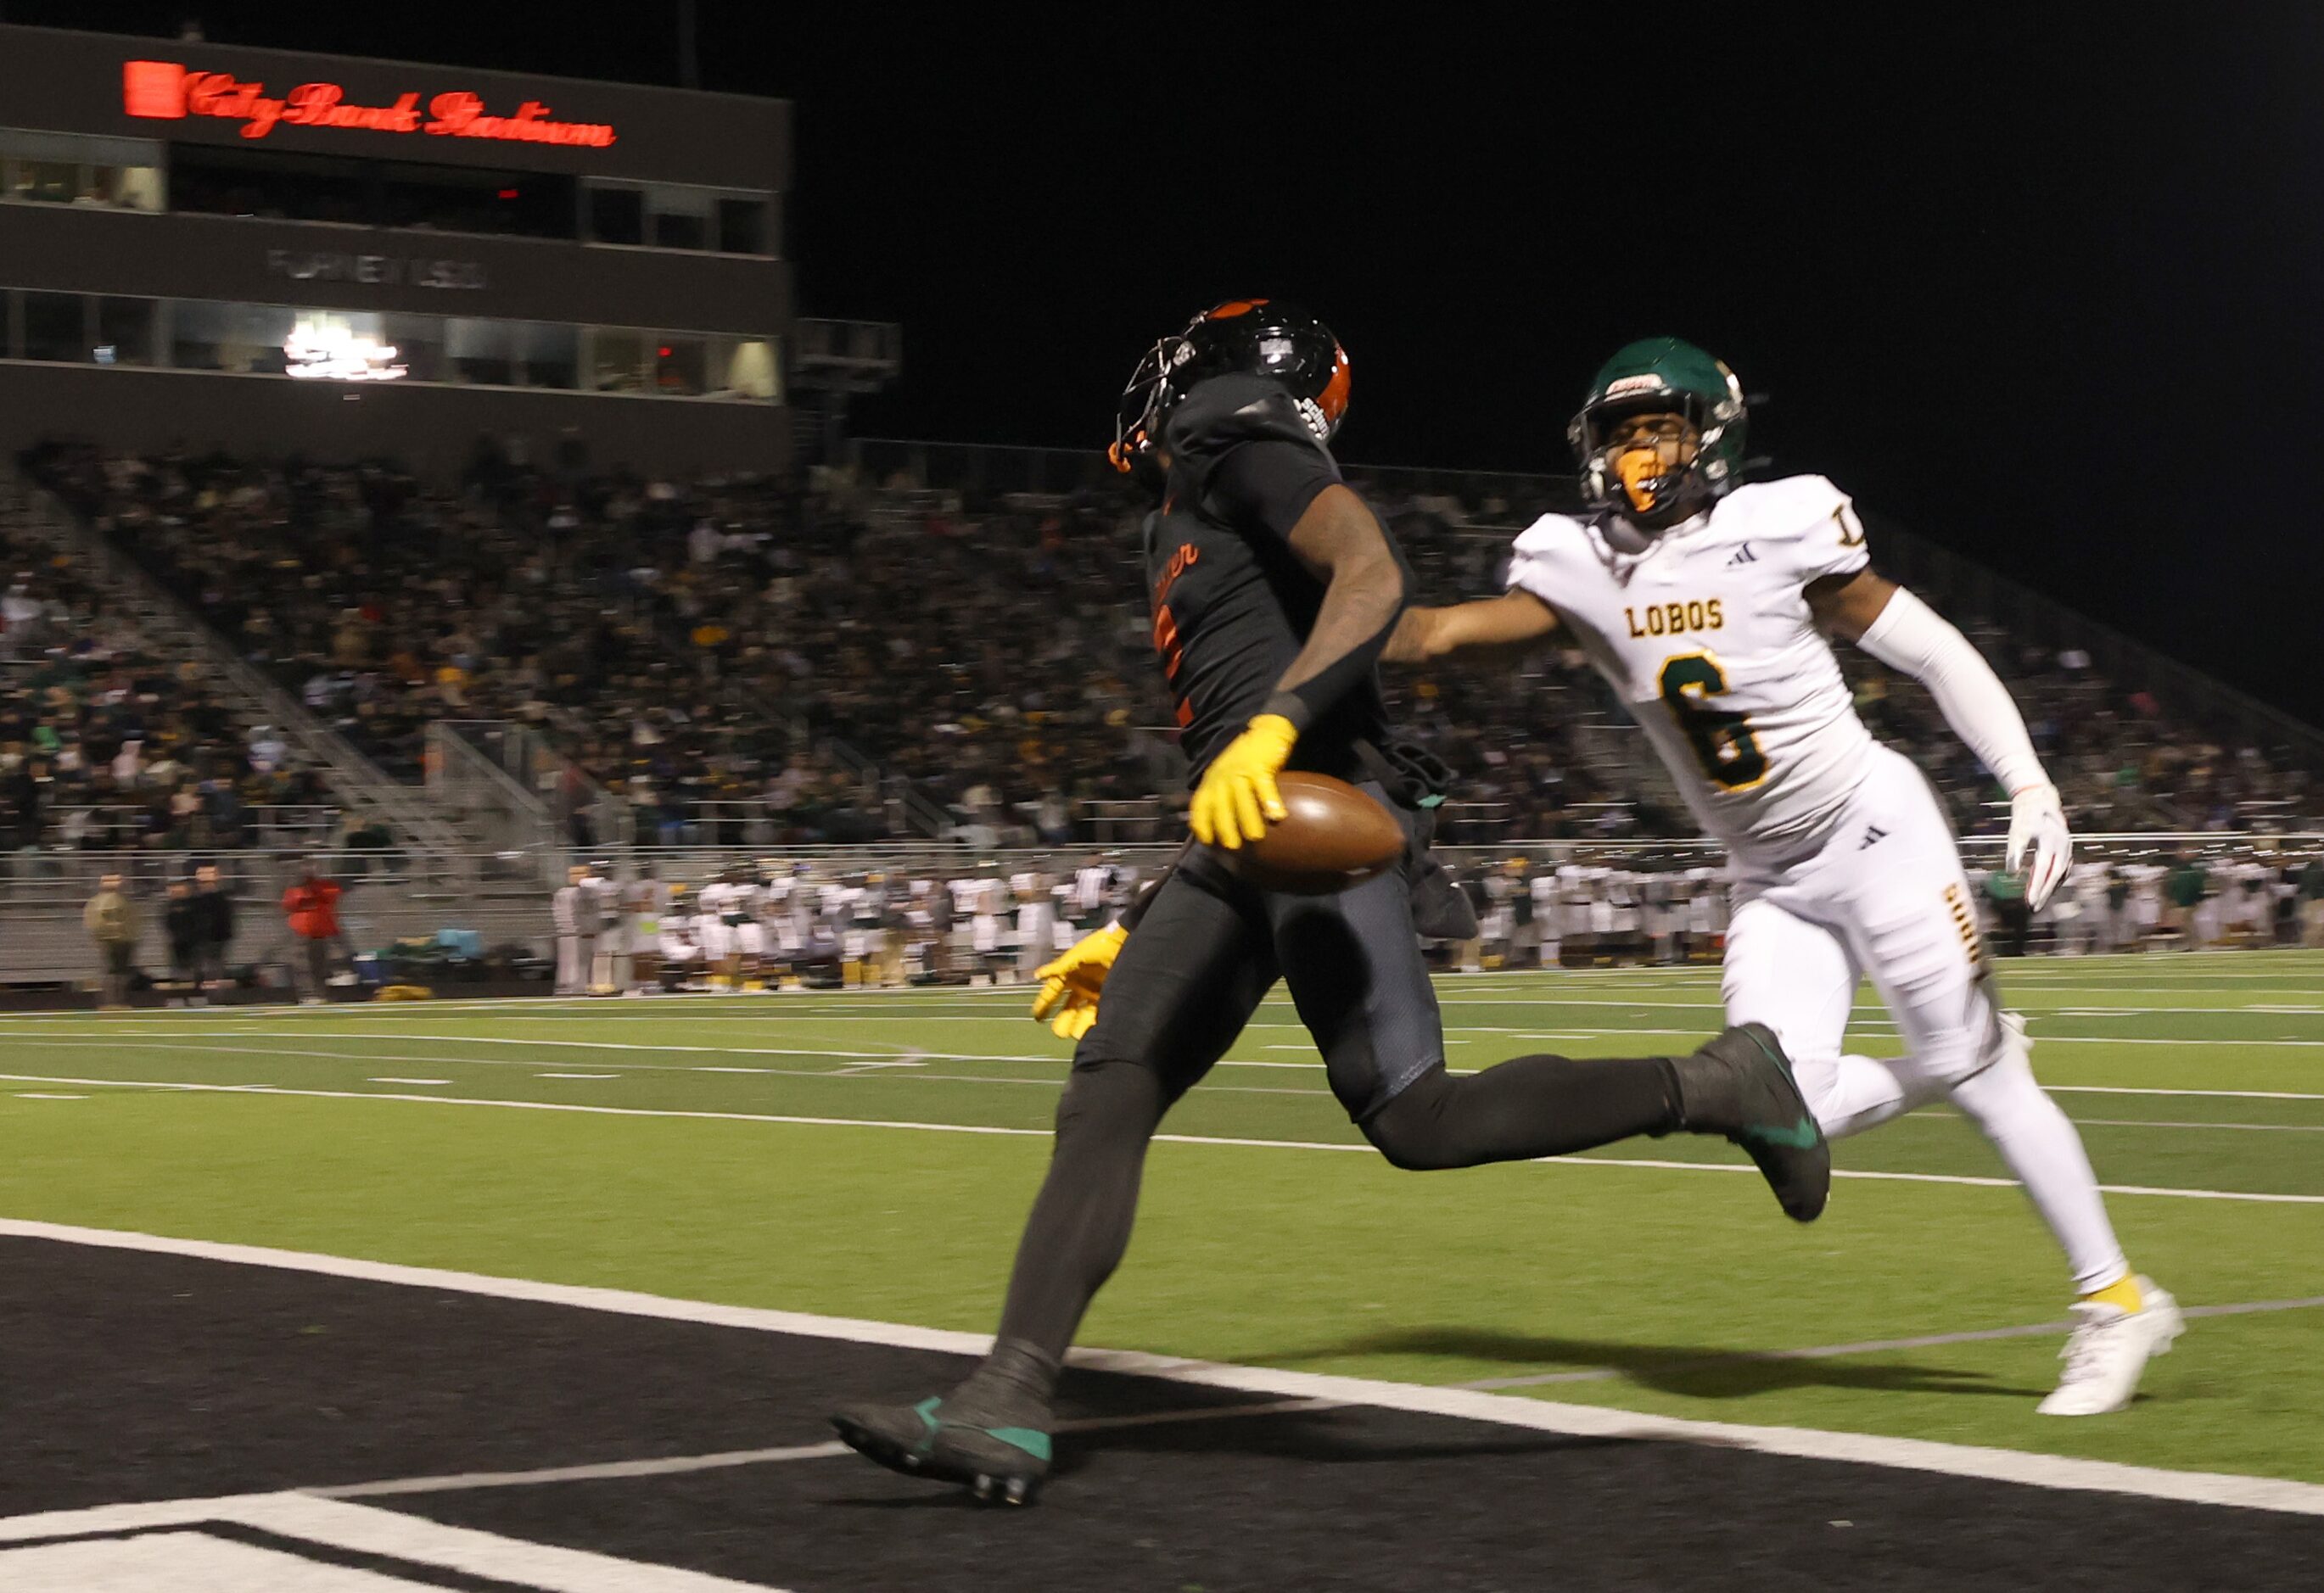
1706	604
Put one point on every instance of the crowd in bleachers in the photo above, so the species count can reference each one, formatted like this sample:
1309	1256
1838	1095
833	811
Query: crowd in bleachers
741	648
105	746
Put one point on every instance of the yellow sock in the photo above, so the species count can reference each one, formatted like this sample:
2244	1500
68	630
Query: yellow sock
2122	1291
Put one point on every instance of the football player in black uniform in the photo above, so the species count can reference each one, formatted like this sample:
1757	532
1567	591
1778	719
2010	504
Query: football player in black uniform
1274	589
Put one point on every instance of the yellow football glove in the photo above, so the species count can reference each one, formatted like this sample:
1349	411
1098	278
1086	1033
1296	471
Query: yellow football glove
1237	797
1070	985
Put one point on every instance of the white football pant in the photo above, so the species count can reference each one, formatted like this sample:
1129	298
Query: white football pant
1885	894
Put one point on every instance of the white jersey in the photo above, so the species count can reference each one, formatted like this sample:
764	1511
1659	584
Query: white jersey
1090	886
1707	636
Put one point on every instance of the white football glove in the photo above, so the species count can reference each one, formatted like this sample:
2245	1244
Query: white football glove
2037	823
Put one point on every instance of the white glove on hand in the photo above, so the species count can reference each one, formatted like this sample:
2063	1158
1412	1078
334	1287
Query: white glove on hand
2038	823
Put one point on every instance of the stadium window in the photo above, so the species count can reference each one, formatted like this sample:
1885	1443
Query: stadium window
248	339
277	184
681	366
616	215
464	199
72	169
551	353
56	327
419	345
45	182
681	218
617	360
482	353
743	368
125	332
128	188
742	226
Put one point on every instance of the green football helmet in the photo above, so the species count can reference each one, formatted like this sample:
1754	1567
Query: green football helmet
1660	375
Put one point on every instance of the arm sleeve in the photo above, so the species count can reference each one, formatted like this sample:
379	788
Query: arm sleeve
1269	481
1912	637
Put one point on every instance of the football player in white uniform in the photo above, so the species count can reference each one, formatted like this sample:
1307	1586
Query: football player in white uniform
1707	604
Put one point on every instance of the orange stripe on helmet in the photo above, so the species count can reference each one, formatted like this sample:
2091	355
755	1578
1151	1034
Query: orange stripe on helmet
1232	309
1334	399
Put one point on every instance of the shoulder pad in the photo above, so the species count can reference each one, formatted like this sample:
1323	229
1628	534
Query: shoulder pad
1234	409
1793	503
1548	535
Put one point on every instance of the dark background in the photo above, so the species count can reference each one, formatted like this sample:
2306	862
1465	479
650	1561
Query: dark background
2044	289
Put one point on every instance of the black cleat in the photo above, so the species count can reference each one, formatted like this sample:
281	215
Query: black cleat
1740	1086
1001	1465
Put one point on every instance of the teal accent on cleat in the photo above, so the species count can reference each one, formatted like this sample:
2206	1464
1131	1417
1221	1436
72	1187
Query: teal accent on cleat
1740	1086
1001	1464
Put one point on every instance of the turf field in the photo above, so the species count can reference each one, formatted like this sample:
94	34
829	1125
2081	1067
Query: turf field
869	1155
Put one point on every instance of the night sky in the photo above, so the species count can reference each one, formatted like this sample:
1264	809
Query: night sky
2042	289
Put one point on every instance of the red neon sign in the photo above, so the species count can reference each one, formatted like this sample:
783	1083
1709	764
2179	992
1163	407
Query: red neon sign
164	90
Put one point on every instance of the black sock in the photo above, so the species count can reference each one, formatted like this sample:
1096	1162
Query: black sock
1081	1220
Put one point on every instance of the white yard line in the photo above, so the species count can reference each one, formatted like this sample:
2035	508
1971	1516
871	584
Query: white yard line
2011	1465
880	1066
1873	1346
1651	1164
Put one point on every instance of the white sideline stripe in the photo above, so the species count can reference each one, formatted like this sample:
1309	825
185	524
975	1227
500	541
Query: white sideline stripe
606	1471
678	1465
385	1081
2049	1471
367	1530
1652	1164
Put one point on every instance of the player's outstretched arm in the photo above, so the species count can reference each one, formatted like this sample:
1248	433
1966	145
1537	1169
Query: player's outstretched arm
1907	635
1511	620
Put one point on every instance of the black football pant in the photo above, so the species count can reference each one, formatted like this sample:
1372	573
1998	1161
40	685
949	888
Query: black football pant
1187	980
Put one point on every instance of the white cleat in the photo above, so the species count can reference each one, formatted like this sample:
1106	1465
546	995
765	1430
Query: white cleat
2108	1350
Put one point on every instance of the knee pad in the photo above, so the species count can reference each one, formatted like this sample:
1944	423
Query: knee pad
1409	1130
1104	1100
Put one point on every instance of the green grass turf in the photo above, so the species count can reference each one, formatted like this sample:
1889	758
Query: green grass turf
1649	1279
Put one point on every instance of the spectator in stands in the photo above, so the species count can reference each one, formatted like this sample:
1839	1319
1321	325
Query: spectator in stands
111	920
710	642
216	917
182	925
312	907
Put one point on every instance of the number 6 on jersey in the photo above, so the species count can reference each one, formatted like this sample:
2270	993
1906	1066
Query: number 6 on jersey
1723	742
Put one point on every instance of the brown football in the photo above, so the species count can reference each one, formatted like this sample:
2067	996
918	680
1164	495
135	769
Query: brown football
1335	836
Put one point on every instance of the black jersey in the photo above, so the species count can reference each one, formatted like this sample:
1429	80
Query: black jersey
1232	604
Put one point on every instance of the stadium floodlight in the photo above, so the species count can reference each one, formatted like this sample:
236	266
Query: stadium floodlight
335	353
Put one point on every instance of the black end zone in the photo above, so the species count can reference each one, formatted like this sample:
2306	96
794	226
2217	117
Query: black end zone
132	1376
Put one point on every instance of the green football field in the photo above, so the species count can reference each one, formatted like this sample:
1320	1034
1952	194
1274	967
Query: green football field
870	1156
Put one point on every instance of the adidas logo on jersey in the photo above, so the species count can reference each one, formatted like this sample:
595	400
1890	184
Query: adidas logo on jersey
1743	555
1872	833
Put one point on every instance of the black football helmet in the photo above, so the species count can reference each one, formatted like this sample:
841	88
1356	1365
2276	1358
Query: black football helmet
1251	336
